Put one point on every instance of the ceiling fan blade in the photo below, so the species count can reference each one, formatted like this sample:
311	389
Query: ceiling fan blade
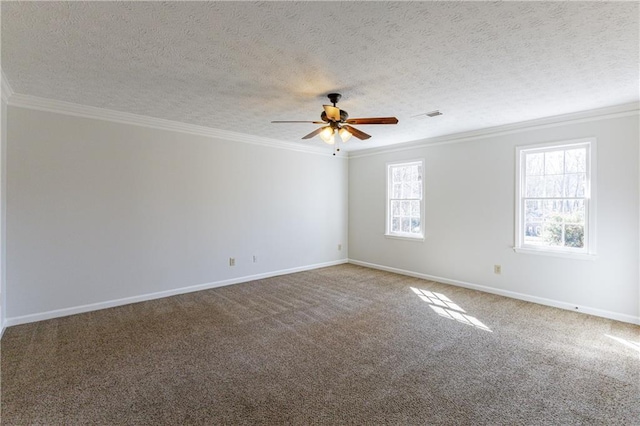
373	120
314	133
333	113
314	122
357	133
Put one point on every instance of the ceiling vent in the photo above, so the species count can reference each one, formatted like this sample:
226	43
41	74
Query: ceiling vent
424	115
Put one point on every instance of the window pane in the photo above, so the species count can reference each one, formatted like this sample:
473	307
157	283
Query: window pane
534	164
415	225
533	229
404	208
574	211
533	233
395	224
405	224
554	162
397	174
552	233
397	190
406	190
534	186
414	173
574	236
553	185
576	160
415	209
533	211
395	208
574	184
416	190
405	173
552	209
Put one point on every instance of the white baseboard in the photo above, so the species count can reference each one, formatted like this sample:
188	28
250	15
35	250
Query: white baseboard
512	294
41	316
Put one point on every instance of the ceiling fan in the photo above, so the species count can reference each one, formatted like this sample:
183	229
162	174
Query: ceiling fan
337	121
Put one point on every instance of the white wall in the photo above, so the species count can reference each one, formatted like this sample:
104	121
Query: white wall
99	211
3	195
470	220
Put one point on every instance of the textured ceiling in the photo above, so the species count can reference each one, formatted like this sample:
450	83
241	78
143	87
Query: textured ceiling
239	65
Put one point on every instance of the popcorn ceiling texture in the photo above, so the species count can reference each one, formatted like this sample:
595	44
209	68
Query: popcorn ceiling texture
238	65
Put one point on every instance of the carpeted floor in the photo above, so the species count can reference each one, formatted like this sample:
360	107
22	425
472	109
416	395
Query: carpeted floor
339	345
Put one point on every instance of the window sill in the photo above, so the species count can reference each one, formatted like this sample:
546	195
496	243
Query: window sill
568	255
404	237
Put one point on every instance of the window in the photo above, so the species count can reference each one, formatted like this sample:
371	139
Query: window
556	207
404	199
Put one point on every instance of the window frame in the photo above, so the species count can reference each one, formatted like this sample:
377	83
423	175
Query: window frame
588	252
388	199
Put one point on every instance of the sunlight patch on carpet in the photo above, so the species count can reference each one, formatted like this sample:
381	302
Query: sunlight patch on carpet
445	307
628	343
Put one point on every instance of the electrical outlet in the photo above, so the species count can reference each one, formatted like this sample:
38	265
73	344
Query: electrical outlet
232	261
497	269
255	259
339	247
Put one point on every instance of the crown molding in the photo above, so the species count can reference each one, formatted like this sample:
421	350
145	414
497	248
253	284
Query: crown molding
51	105
622	110
84	111
6	92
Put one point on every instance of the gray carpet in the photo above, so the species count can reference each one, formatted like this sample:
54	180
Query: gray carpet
339	345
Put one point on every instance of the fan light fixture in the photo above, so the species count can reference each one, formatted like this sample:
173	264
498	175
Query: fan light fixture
344	134
328	134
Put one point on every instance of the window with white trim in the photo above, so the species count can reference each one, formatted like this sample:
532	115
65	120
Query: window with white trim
405	209
555	204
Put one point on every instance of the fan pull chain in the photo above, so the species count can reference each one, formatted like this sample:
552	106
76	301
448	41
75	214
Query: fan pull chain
336	149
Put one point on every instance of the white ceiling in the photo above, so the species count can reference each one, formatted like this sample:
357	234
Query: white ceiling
238	65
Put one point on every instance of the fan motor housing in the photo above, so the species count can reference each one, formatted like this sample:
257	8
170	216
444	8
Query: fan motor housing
343	116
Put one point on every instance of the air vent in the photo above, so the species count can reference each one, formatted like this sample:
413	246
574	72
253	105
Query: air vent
424	115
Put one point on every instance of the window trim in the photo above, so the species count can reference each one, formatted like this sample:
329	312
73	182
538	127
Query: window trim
589	251
387	229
